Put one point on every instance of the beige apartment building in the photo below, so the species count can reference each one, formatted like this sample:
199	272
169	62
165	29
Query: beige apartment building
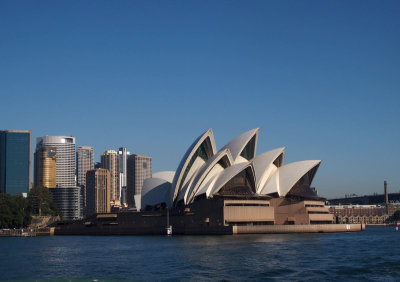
98	191
110	161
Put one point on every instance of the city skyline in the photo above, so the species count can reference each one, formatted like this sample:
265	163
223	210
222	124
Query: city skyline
378	191
320	79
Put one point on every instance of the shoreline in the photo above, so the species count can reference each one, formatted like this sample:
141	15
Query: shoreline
235	230
27	232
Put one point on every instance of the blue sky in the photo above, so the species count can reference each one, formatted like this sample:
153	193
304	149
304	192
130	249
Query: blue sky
321	78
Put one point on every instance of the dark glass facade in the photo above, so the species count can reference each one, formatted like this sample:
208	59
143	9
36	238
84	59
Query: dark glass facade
69	201
249	151
15	161
302	190
241	184
279	161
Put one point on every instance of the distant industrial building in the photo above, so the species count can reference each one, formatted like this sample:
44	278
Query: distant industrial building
65	158
45	167
109	160
372	209
138	169
123	158
69	201
376	199
15	161
98	194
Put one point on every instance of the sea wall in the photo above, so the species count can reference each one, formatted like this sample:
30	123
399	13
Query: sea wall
315	228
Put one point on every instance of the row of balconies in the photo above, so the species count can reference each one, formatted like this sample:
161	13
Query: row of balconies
377	219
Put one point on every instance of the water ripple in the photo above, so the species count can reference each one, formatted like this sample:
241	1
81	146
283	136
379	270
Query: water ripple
372	255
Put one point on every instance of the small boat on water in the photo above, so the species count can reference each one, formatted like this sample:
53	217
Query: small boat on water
169	227
169	230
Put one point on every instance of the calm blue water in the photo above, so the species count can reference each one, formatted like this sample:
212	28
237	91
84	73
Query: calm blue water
370	255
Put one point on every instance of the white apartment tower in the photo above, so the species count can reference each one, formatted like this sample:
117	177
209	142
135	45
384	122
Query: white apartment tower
65	158
123	156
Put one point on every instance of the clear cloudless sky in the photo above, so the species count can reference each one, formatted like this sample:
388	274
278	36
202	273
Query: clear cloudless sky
321	78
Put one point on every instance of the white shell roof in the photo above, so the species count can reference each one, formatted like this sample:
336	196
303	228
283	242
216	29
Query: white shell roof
166	175
205	169
263	161
237	145
206	188
186	159
209	176
286	177
155	191
184	192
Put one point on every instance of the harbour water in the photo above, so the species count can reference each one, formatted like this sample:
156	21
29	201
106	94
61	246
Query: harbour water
371	255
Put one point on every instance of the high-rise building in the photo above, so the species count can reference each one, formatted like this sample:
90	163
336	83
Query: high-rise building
98	191
45	167
65	158
84	162
15	161
138	169
123	156
109	160
69	201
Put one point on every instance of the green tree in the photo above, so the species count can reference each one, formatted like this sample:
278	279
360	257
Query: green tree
15	211
42	202
23	211
6	215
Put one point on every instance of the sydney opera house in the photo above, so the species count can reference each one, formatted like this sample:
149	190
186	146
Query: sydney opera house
229	191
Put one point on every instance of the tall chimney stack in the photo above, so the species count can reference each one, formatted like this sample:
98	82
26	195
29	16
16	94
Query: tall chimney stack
386	193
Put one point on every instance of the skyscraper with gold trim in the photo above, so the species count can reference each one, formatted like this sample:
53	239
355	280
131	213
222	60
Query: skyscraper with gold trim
45	167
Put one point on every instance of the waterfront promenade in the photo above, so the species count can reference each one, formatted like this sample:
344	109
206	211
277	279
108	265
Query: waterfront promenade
27	232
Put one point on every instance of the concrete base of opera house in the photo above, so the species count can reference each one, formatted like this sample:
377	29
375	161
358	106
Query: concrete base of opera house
226	230
217	216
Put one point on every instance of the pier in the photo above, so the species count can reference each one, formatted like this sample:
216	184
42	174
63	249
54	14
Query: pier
27	232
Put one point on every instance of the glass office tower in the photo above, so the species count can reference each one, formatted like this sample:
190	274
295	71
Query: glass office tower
139	169
15	161
84	162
